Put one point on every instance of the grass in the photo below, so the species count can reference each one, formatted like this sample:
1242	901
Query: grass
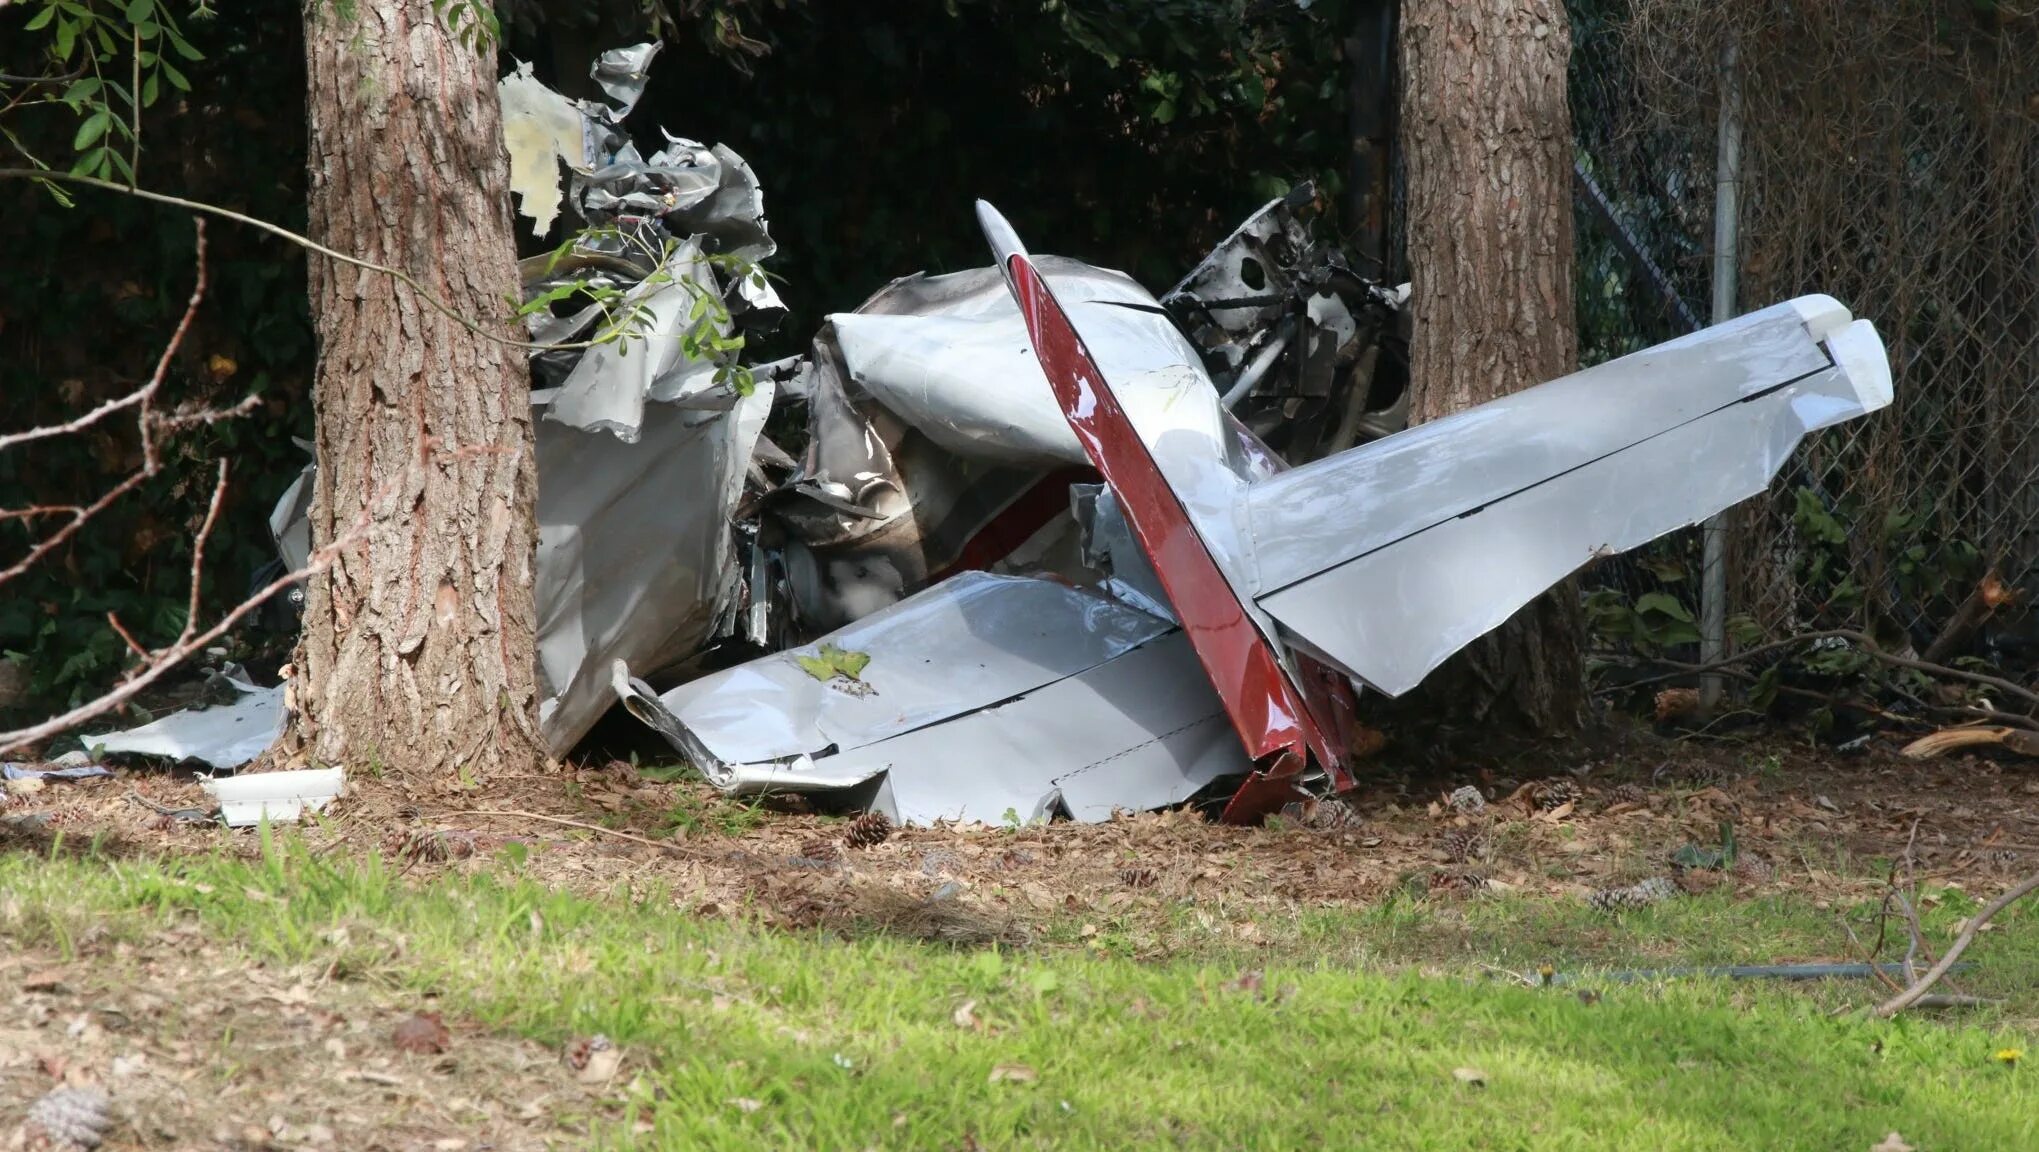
1346	1032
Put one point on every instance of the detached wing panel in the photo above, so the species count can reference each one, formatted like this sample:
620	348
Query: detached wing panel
1387	559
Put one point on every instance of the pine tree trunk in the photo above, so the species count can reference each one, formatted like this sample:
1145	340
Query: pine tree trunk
1487	137
418	645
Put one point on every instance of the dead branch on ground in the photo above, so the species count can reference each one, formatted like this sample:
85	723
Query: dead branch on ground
1921	986
1863	644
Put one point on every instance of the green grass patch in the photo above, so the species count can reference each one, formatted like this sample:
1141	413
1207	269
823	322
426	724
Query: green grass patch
854	1043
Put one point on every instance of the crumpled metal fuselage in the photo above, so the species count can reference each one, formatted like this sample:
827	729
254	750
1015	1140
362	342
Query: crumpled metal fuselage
1361	570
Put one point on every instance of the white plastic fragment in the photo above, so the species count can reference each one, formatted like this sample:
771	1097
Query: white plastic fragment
279	797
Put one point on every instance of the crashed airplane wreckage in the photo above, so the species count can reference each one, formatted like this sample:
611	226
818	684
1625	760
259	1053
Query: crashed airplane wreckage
1052	546
1235	607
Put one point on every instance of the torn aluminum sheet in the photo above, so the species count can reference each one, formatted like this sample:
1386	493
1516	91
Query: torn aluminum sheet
277	797
642	449
1084	703
934	442
644	359
1461	522
540	129
223	735
934	445
680	228
1305	351
66	772
627	571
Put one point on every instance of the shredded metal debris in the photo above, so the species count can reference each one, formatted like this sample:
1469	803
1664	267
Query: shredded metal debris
1049	545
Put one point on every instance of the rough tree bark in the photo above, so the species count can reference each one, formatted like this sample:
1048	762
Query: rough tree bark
1487	137
418	645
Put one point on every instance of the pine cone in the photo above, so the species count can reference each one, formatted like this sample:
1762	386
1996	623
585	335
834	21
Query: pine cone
2002	857
421	845
869	829
71	1117
1628	794
1651	891
1457	880
1466	799
1462	844
1551	795
1753	868
1137	877
1706	775
1327	815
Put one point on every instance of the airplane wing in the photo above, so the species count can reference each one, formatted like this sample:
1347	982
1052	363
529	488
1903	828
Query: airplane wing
980	695
1384	560
1390	557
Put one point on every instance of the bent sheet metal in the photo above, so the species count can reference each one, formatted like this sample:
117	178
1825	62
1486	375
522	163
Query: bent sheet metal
1281	592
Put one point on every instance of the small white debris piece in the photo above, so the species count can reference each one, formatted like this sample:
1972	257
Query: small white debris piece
280	797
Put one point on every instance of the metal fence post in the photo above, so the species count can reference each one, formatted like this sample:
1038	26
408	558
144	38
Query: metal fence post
1727	175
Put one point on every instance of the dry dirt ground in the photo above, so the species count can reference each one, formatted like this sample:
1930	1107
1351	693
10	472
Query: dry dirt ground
203	1049
1821	821
203	1044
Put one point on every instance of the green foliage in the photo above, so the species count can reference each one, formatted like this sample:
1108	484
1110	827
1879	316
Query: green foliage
1648	624
710	335
472	22
1852	562
119	58
832	662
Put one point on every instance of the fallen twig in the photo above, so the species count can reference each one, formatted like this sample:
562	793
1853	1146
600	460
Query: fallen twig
1910	996
1728	972
1947	1000
512	813
1864	644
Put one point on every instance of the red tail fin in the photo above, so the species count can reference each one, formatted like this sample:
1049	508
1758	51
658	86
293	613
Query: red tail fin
1265	707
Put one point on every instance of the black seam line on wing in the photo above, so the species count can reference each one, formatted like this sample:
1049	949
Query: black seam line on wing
1505	496
1130	306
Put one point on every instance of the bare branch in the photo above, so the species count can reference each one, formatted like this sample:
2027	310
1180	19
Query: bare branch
138	396
142	400
120	630
1912	995
219	492
305	242
1864	644
162	662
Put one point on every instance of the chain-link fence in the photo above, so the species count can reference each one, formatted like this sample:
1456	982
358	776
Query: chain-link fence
1890	158
1643	196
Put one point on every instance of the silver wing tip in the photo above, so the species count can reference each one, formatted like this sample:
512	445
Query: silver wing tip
1858	351
1005	243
